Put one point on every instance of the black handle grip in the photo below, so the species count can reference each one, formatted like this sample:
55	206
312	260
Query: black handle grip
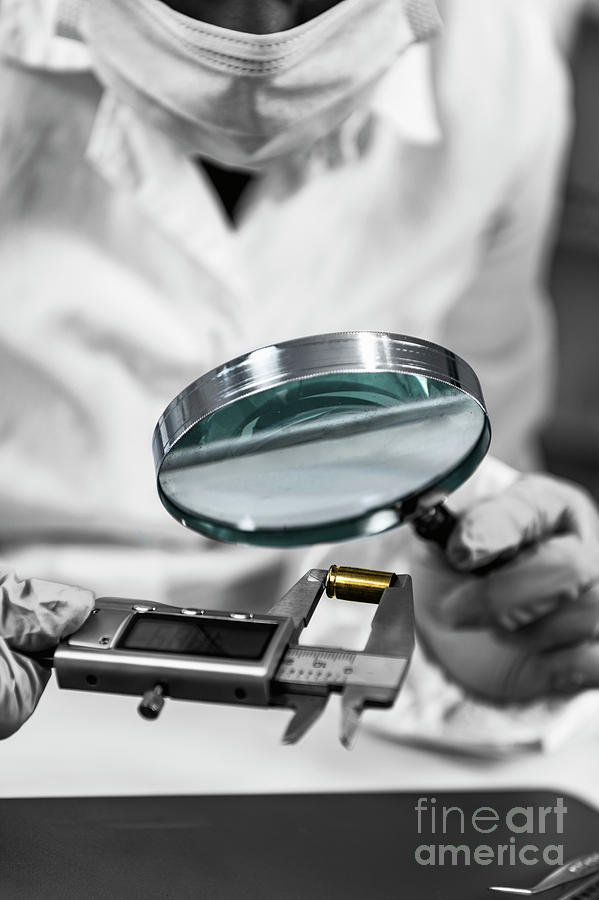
437	524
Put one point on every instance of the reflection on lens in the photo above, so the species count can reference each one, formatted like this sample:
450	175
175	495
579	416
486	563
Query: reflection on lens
320	450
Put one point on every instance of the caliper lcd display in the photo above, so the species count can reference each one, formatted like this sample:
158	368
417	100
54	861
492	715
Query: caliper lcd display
216	638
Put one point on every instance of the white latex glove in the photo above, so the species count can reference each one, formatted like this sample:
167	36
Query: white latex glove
529	628
34	616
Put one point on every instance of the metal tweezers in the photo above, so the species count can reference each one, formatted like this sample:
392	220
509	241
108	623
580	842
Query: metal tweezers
587	889
579	879
582	890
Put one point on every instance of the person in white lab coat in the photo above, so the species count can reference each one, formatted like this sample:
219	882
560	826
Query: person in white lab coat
181	182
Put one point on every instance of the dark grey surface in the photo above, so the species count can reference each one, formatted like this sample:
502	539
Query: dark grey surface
294	847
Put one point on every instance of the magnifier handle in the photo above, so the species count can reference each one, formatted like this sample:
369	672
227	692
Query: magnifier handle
437	524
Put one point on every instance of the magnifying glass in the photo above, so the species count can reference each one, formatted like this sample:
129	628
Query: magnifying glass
322	439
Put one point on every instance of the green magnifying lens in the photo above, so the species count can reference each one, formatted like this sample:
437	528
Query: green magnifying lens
320	439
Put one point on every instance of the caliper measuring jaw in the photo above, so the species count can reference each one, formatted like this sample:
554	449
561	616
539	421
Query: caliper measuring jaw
371	677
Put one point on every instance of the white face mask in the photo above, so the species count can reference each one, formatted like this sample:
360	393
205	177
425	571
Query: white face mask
245	99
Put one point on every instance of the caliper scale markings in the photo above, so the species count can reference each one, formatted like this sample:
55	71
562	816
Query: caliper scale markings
316	665
312	666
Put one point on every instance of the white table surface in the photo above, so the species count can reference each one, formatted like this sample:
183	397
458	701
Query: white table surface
83	744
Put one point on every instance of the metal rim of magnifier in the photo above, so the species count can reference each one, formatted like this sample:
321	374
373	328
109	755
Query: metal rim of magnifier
349	352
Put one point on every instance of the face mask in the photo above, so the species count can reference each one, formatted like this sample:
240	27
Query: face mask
243	100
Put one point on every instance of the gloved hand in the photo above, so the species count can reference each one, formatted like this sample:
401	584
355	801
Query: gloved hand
34	616
530	628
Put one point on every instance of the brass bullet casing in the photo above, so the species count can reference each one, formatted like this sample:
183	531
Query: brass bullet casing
360	585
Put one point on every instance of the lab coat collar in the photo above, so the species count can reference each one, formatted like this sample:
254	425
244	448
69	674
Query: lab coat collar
405	99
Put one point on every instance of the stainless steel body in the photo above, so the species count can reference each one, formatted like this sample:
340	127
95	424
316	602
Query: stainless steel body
91	659
102	657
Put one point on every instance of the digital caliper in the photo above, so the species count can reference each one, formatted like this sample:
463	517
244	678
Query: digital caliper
157	651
